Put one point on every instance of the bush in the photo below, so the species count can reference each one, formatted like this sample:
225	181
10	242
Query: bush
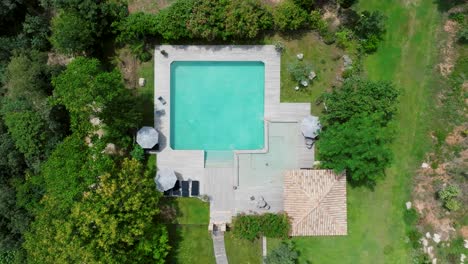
71	34
410	217
370	44
136	27
343	38
279	46
138	153
299	71
172	21
245	19
346	3
449	192
414	236
458	17
448	196
329	38
463	35
289	16
370	24
452	205
283	254
307	5
251	227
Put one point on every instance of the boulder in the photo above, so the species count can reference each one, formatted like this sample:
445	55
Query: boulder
465	243
462	258
296	88
141	82
304	83
408	205
425	165
312	75
424	242
300	56
428	235
436	238
434	261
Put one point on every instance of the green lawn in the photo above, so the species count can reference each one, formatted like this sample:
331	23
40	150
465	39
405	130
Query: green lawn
188	231
325	60
406	57
191	244
242	251
146	93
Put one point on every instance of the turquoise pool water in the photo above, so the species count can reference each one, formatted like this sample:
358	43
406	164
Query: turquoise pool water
217	105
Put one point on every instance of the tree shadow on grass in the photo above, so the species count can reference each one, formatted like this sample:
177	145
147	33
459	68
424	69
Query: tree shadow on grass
169	211
445	5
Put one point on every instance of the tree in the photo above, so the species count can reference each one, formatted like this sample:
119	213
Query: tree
359	146
36	30
370	24
245	19
71	33
283	254
207	19
307	5
113	221
359	96
172	21
86	90
136	27
289	16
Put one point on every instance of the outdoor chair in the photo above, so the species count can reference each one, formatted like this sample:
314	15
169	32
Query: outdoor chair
185	189
195	190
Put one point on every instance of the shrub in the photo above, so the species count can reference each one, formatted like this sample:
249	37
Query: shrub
452	205
285	253
343	38
410	217
71	34
329	38
451	191
299	71
463	35
245	19
279	46
136	27
458	17
138	153
370	24
314	19
172	21
346	3
207	20
370	44
414	236
251	227
307	5
289	16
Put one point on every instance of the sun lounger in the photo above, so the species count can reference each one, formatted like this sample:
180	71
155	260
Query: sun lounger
195	191
185	188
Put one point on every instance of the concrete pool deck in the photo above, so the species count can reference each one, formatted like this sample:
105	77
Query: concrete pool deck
226	185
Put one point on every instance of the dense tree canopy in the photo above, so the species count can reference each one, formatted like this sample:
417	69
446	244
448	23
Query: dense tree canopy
288	16
359	146
172	21
357	130
359	96
71	33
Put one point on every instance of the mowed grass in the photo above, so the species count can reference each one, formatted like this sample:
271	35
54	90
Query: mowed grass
376	231
242	251
325	61
188	231
146	93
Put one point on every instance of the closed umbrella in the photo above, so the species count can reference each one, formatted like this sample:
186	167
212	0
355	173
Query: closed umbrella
165	179
310	127
147	137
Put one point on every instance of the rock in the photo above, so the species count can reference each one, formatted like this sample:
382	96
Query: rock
312	75
462	258
300	56
465	244
424	242
304	83
95	121
434	261
296	88
347	62
430	252
428	235
436	238
141	82
425	165
408	205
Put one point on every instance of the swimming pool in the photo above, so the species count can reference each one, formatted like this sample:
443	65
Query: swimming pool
217	105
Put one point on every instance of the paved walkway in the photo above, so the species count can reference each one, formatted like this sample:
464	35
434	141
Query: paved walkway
219	249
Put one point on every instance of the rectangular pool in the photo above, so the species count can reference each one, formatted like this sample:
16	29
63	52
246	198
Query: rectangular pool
217	105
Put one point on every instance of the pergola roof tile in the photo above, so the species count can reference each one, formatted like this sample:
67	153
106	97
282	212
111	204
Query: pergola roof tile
315	200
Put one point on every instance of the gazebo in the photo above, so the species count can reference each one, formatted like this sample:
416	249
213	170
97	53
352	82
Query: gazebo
147	137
